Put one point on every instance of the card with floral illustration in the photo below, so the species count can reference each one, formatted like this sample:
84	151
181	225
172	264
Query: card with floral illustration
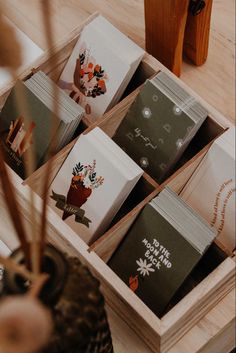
93	74
91	186
97	72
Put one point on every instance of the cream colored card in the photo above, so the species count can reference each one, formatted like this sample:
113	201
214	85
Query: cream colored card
93	73
211	190
91	187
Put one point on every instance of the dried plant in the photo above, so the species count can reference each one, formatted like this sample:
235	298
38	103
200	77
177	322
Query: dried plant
11	315
46	12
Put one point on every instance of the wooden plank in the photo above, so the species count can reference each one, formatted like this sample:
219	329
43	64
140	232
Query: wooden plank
123	336
197	303
215	333
165	27
197	32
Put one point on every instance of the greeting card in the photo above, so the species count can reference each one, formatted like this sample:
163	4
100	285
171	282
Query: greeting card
100	67
160	250
159	126
92	184
211	189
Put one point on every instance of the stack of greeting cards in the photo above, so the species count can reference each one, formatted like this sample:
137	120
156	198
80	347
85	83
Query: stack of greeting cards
31	124
100	67
161	249
69	113
92	184
159	125
29	53
211	189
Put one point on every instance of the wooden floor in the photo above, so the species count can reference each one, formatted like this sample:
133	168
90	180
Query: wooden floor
214	81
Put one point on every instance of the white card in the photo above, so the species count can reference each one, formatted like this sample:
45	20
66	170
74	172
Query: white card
100	67
91	197
93	73
211	190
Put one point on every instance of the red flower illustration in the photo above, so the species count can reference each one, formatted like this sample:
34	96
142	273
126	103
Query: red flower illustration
133	283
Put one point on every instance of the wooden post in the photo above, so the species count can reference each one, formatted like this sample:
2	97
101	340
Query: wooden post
172	29
165	27
196	38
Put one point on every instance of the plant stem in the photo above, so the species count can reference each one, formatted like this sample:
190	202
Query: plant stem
13	208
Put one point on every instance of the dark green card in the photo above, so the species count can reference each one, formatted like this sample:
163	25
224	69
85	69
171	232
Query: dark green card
154	259
17	136
154	131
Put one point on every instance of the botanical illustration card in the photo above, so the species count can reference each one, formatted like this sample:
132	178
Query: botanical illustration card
154	259
89	188
93	74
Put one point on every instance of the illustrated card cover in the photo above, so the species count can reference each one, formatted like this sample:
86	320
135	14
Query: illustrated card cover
100	67
161	248
93	73
211	189
156	131
90	187
16	138
154	259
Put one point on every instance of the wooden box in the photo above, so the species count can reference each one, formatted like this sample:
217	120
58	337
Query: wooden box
189	325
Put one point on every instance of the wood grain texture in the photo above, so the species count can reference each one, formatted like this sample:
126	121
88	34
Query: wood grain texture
165	26
214	81
215	333
196	36
187	313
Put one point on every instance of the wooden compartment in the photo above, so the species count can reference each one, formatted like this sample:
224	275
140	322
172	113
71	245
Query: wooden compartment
212	298
190	310
212	279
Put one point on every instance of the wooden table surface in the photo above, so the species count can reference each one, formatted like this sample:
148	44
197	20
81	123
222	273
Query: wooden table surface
214	81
